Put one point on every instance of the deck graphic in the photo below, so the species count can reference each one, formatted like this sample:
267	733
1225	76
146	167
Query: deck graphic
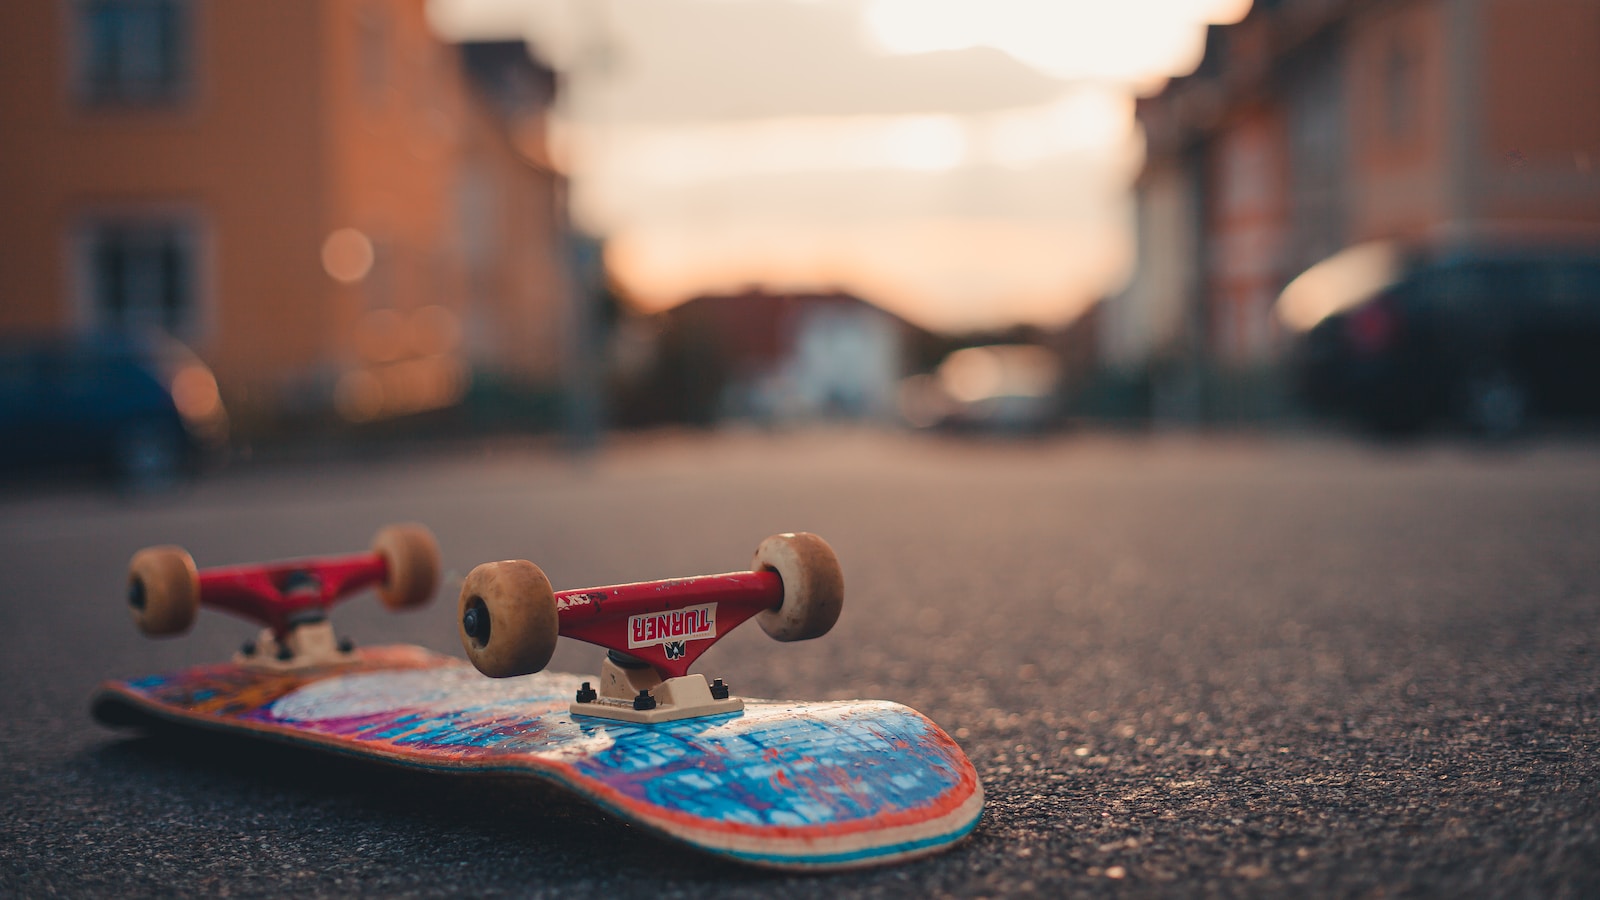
797	785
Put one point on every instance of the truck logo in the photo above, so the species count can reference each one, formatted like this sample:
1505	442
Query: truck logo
691	623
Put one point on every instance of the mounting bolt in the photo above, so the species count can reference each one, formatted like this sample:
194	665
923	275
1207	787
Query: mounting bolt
284	653
644	701
346	645
586	694
719	690
248	648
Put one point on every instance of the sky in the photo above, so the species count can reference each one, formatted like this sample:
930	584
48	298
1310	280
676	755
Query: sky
963	163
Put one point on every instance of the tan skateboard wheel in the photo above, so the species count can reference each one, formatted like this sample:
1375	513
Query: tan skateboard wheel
163	590
508	619
412	556
813	586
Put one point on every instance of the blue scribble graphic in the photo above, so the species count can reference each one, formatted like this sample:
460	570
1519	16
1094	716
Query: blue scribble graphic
788	769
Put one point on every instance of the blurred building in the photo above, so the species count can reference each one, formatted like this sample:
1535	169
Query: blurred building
767	357
1313	125
334	208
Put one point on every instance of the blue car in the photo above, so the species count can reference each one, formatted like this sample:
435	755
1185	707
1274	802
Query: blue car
144	410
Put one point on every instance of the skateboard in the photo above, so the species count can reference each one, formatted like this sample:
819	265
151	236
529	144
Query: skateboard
792	785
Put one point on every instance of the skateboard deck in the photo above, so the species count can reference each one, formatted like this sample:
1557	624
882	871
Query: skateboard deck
792	785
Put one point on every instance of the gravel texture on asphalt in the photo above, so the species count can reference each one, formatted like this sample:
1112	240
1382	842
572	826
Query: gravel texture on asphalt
1227	666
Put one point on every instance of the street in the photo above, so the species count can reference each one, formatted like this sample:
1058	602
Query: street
1181	665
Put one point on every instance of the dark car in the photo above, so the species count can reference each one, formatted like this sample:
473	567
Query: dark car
1489	341
144	410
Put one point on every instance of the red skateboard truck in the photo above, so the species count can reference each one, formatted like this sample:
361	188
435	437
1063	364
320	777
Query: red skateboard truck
510	619
289	599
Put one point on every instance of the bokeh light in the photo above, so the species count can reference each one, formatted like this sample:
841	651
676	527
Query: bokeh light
347	255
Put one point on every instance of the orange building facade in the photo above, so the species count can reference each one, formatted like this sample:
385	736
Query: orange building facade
311	193
1314	125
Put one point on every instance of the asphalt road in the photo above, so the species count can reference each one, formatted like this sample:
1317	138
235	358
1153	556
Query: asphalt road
1181	667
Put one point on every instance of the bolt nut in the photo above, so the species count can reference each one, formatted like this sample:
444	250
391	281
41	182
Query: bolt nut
474	624
719	690
644	701
586	694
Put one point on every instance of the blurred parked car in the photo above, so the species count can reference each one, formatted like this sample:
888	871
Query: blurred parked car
1002	388
1489	341
145	410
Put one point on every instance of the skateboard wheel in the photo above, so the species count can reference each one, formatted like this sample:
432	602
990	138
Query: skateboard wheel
508	618
412	556
813	586
163	590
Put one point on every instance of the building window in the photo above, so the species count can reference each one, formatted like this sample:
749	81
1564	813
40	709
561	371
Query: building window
134	52
141	275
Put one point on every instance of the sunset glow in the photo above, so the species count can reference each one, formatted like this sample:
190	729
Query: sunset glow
962	164
1136	41
955	272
